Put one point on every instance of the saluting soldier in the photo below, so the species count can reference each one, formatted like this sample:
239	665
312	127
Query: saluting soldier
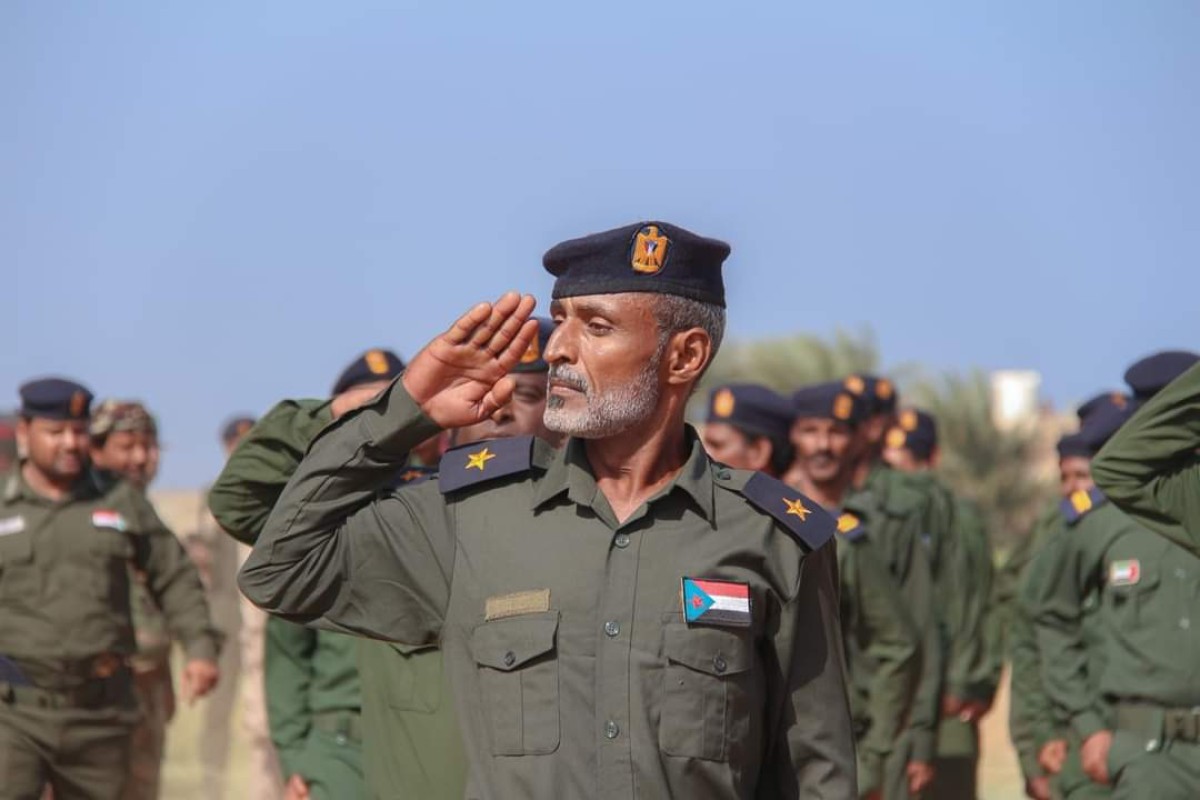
67	538
621	618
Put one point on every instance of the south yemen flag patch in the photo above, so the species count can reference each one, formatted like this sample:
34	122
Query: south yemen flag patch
1125	573
716	603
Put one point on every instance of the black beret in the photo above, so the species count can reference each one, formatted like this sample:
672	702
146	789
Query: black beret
1102	424
55	398
1149	375
879	394
752	409
236	427
374	365
652	257
534	359
830	401
1102	400
915	431
1074	445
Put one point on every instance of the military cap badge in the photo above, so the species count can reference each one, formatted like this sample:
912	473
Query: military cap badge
649	250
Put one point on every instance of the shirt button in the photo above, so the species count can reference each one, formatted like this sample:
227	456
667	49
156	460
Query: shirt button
612	628
622	540
719	665
509	658
1185	623
1180	573
1151	745
611	730
340	739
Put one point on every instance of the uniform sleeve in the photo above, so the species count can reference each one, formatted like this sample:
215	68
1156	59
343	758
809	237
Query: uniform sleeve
287	677
174	583
978	662
915	581
891	643
810	751
337	553
254	476
1031	716
1150	468
1060	577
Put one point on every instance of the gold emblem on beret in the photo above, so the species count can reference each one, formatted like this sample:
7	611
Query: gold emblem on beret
533	352
78	404
908	419
1119	400
896	438
884	389
854	384
376	362
649	250
243	427
723	403
843	406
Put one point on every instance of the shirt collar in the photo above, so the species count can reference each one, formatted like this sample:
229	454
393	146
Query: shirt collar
571	473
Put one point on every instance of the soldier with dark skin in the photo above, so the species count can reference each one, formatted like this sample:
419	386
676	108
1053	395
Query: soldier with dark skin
910	531
313	689
1137	719
1150	468
621	618
124	444
965	593
67	537
883	646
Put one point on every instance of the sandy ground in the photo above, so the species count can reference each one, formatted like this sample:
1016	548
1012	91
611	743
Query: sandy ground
999	773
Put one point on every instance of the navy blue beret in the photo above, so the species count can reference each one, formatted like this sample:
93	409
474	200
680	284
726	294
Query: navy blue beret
55	398
652	257
534	359
1074	445
1102	400
236	427
752	409
915	431
829	401
879	394
1102	424
1149	375
374	365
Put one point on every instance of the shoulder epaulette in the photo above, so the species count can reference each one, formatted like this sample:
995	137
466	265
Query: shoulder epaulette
1080	503
851	527
412	475
802	517
479	462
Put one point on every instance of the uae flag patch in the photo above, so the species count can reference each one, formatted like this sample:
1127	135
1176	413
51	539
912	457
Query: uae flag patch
716	602
105	518
1124	573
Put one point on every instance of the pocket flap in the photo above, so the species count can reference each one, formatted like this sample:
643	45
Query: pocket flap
508	644
711	650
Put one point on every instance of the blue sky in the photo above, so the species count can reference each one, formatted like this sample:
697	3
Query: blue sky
214	205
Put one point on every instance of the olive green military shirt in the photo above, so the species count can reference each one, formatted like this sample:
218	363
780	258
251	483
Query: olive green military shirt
307	673
64	575
1149	617
574	672
411	745
899	513
883	648
1150	467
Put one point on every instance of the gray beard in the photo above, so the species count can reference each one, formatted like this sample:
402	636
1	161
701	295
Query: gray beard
615	411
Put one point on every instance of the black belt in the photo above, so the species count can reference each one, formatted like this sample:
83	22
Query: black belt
97	693
1178	724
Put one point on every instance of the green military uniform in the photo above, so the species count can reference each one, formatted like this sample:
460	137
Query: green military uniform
1034	719
313	706
1150	468
883	648
66	632
410	741
1149	688
575	671
899	513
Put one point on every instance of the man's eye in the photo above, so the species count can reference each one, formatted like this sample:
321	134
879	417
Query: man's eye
599	328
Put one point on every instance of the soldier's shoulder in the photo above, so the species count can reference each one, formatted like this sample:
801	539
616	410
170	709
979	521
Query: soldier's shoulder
852	526
1081	504
122	506
485	463
797	514
302	418
905	493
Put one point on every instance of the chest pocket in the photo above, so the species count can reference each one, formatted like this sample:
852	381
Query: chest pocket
1130	600
414	674
706	693
17	576
518	676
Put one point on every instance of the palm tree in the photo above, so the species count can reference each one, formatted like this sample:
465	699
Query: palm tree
787	362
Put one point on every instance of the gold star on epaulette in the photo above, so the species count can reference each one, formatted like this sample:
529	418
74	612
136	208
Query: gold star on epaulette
797	508
479	460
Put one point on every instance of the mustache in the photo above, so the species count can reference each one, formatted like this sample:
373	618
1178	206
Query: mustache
565	376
